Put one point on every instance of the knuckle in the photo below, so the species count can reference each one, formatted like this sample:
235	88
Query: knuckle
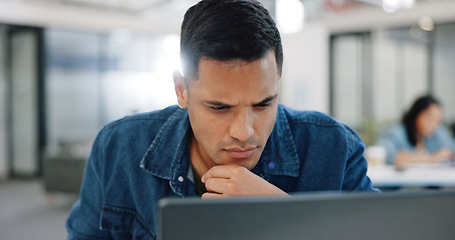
238	170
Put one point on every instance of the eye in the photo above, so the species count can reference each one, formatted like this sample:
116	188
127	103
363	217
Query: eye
263	106
218	108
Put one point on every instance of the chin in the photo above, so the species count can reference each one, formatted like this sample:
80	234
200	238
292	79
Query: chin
248	163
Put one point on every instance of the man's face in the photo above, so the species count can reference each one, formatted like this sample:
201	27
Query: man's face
232	108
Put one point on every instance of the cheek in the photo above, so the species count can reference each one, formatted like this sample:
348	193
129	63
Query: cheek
206	128
420	124
264	123
424	127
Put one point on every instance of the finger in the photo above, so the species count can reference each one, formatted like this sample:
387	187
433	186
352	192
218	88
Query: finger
209	195
218	171
216	185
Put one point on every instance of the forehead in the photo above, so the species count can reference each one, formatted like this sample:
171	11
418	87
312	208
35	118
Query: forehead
433	109
236	76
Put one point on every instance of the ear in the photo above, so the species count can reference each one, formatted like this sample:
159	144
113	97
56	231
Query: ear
180	89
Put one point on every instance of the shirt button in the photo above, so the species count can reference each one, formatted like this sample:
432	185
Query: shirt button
180	179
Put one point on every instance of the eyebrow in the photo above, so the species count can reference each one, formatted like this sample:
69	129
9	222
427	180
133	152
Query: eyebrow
220	104
266	100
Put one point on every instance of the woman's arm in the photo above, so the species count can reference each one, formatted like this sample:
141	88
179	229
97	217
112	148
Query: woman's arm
406	157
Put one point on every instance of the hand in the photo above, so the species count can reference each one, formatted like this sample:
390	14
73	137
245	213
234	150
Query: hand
441	155
234	180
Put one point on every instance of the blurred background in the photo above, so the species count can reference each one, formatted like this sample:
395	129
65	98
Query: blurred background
67	67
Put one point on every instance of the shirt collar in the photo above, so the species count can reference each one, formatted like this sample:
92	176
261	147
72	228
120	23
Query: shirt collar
165	156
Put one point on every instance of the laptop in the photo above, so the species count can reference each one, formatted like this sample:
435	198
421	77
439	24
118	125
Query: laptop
426	215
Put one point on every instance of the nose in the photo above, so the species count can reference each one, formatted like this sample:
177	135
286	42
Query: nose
241	127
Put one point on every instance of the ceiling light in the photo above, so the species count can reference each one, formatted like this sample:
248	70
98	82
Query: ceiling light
426	24
289	15
394	5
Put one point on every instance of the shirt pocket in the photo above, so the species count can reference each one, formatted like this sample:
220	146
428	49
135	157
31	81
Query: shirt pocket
125	222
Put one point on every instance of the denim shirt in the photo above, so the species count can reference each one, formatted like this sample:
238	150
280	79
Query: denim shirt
140	159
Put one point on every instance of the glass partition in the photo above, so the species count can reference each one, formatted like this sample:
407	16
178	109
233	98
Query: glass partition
95	78
377	76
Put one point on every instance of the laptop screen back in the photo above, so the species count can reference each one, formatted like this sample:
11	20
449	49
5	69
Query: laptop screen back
400	215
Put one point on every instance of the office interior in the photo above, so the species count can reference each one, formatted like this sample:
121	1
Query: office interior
67	67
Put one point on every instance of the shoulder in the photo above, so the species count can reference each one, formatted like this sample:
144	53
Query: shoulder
296	117
142	126
143	120
131	136
443	134
395	131
395	128
159	115
317	126
315	123
442	130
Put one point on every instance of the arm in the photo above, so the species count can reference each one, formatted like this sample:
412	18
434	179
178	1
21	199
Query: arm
447	140
355	175
405	157
84	219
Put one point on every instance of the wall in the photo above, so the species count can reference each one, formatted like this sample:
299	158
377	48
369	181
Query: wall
305	70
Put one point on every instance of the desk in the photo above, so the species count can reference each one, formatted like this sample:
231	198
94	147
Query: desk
428	176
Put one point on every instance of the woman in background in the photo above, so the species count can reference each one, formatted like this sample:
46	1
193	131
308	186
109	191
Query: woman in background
421	138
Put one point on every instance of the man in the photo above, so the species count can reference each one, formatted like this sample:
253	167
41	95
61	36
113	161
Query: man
230	137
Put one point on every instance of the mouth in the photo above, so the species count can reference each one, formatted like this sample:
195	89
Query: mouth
236	152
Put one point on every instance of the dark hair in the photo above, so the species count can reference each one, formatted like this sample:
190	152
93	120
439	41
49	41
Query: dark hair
409	118
226	30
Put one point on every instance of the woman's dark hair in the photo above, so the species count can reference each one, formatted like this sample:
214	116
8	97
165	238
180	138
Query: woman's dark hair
225	30
409	118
